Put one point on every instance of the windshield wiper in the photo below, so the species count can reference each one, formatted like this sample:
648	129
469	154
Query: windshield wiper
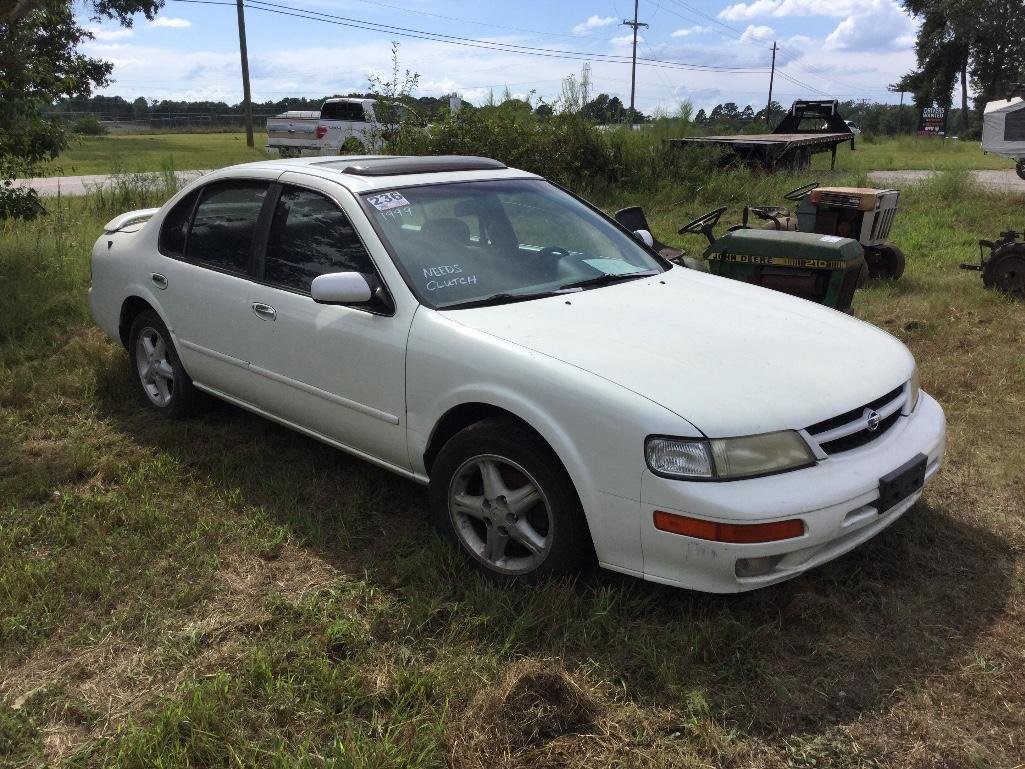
502	298
606	279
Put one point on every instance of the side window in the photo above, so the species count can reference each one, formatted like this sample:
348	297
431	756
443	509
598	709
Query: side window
310	236
176	227
1014	126
222	229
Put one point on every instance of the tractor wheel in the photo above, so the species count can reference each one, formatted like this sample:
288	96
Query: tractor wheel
1020	168
1005	269
889	262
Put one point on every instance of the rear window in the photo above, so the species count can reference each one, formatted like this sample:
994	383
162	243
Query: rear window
342	110
222	229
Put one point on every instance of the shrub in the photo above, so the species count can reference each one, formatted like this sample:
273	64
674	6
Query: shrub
566	148
88	125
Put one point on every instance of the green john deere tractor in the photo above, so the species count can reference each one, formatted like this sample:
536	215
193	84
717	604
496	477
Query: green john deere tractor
821	268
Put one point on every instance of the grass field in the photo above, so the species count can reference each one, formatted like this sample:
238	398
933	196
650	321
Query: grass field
223	592
153	152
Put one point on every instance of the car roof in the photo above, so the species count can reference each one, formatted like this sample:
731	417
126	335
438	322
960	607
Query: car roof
365	173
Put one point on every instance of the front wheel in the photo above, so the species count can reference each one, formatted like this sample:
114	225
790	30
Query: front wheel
1019	167
886	261
500	493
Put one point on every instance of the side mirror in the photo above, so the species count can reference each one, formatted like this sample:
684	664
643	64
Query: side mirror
645	237
341	288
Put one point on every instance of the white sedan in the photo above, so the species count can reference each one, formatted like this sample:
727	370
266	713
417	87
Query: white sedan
567	395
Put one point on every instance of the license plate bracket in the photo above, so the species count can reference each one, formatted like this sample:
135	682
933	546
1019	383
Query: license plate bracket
900	484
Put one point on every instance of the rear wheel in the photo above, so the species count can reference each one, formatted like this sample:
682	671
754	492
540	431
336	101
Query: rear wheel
1020	168
1005	269
499	492
157	370
352	146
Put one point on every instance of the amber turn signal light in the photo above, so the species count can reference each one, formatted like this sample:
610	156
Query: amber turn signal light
739	533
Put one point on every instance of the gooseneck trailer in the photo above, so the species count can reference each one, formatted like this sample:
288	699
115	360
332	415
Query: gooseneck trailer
809	127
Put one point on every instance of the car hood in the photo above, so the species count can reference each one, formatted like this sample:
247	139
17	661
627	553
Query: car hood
731	358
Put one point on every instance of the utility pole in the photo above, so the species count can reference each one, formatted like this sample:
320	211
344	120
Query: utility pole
772	76
633	70
247	99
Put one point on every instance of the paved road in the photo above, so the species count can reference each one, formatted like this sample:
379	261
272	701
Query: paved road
48	186
996	181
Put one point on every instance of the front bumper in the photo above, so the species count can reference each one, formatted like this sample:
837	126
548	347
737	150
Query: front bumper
834	499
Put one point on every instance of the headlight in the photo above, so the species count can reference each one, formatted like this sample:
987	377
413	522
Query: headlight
914	390
727	458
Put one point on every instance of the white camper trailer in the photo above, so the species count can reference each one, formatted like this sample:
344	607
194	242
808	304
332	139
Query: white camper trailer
1003	130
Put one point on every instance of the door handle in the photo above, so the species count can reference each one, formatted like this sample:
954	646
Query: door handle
159	280
264	311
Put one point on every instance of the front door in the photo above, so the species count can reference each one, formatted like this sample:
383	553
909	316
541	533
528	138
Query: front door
337	371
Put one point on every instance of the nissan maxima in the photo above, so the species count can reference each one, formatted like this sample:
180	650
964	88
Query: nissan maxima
566	395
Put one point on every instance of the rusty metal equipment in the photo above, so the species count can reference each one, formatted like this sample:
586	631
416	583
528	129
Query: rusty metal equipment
1003	268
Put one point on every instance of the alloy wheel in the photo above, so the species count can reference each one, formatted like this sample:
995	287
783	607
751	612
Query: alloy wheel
154	368
500	514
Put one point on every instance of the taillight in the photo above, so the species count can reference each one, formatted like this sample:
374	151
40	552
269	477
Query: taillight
741	533
321	131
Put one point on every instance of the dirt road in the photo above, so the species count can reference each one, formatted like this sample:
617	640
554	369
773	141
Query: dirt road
996	181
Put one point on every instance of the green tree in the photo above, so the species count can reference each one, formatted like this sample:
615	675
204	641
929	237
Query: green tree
981	42
40	63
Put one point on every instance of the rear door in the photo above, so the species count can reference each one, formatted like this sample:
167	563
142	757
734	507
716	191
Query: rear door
206	285
336	371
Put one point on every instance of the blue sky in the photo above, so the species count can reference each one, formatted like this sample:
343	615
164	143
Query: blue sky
842	48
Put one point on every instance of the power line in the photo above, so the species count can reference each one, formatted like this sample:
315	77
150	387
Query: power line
286	10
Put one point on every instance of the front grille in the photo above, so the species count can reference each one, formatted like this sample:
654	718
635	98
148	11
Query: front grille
850	430
883	222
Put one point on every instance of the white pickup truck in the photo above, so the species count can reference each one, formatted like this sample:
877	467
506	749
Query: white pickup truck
341	126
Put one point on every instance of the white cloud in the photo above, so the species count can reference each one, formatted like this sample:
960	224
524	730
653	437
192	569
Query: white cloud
626	39
781	8
689	31
117	33
595	22
757	34
882	26
168	21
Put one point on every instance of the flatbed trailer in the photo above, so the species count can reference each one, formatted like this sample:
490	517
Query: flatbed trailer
809	127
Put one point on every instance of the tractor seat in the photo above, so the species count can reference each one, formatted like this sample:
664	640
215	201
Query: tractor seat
775	217
633	219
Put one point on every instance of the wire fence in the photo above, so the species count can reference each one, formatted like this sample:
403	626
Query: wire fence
167	121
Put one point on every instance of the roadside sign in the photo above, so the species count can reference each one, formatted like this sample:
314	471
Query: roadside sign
932	121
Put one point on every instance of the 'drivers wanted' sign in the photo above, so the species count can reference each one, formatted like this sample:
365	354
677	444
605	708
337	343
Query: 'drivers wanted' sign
932	121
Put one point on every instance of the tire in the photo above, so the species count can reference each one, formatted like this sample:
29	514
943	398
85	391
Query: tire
1005	269
499	493
887	262
156	369
352	146
1019	167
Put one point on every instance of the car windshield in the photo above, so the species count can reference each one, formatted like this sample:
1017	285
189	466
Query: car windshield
489	242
